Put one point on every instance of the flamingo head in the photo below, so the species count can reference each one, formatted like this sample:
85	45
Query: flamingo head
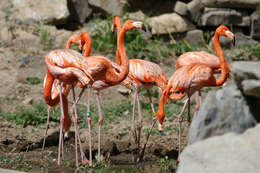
224	31
116	21
130	24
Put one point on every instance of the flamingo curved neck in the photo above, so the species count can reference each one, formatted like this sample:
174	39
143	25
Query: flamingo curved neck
118	26
117	78
161	113
88	44
223	76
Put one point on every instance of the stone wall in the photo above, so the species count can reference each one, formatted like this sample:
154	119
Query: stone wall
162	16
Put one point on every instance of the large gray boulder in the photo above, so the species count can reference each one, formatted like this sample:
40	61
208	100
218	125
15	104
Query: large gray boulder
181	8
222	111
169	23
216	17
243	70
48	11
79	10
194	37
231	3
255	24
251	88
231	153
246	74
114	7
195	9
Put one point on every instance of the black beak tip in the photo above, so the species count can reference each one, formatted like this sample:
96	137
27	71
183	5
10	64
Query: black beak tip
81	51
161	132
143	27
234	41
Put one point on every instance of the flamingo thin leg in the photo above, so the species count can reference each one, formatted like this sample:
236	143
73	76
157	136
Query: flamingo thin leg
150	99
47	127
147	138
180	121
77	137
133	118
100	120
61	125
198	102
88	118
140	120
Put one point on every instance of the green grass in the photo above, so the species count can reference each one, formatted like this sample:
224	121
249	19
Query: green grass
136	44
248	52
34	116
45	37
33	80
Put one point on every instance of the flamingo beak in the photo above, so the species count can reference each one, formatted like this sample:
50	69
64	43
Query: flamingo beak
138	24
234	41
231	36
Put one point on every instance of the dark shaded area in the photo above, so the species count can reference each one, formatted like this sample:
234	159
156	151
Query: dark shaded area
151	7
73	22
254	106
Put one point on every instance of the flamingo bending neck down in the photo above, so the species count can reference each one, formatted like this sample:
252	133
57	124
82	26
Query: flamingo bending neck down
191	78
122	70
201	57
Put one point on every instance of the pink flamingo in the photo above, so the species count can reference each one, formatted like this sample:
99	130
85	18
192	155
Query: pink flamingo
69	67
191	78
143	74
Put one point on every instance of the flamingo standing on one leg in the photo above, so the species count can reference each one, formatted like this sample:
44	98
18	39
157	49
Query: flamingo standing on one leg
85	44
144	74
61	64
191	78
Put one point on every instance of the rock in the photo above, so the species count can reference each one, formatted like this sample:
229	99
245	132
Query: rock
195	10
123	90
218	116
216	17
139	15
169	23
232	153
114	7
9	171
49	11
231	3
255	25
243	70
245	22
79	10
251	88
24	61
243	40
194	37
181	8
28	101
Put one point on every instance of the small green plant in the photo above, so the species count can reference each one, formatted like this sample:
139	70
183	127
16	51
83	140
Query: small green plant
182	47
8	159
164	164
154	131
33	80
248	52
45	36
34	116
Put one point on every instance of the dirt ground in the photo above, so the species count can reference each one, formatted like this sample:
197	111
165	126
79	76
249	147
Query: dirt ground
22	147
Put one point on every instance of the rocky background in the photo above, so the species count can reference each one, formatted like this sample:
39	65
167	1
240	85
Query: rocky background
218	139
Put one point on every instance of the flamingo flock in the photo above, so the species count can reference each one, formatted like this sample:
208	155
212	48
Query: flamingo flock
67	69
